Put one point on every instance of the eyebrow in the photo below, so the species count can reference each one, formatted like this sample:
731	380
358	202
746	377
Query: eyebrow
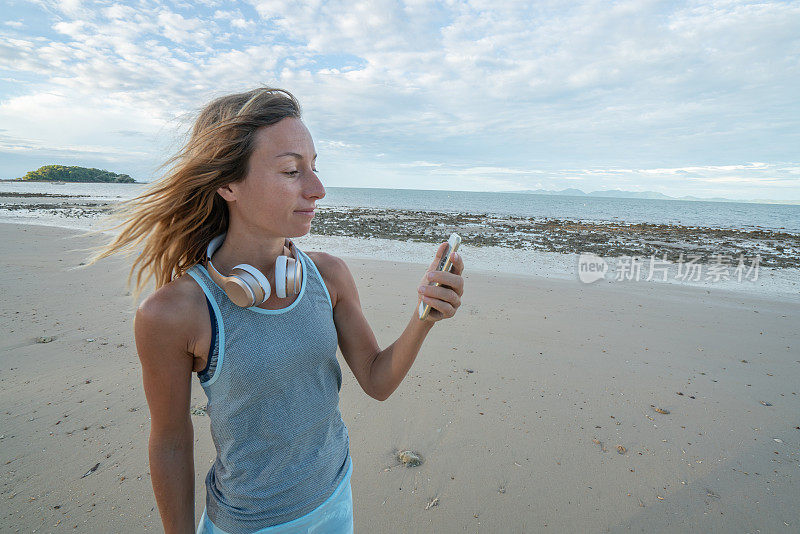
294	155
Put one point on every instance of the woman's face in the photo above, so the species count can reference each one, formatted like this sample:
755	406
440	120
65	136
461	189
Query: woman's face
281	187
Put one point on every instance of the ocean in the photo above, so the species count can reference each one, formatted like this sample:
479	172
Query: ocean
737	215
546	246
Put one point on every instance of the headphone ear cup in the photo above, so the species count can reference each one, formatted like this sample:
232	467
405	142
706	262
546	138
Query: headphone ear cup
239	291
238	286
255	279
293	273
296	277
280	276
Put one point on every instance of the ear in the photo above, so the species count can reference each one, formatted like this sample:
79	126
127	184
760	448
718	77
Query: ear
227	193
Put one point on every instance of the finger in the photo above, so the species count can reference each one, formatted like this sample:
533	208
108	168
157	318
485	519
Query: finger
453	281
441	293
439	254
443	307
458	264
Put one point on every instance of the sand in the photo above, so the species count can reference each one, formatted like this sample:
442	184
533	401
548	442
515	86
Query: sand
517	404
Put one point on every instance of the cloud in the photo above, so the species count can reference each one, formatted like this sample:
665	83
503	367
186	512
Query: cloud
336	145
485	171
129	133
670	93
420	164
89	133
14	144
182	30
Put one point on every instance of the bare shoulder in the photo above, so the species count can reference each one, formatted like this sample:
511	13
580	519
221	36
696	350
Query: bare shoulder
334	272
174	315
172	301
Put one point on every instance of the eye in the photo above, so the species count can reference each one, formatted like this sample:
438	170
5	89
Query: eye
292	173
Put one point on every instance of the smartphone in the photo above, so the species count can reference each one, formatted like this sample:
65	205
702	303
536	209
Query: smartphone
445	264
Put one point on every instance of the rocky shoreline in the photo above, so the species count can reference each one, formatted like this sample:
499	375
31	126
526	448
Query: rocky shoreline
776	249
607	239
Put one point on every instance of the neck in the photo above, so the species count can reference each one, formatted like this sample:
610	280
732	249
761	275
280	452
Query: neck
257	250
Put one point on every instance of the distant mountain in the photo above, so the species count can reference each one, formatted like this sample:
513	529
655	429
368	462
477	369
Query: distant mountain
654	195
61	173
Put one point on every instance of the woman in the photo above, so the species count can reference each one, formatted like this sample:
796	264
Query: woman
263	342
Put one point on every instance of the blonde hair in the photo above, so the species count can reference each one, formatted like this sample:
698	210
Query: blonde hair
176	218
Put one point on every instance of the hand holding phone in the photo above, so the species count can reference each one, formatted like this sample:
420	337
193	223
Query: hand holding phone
445	264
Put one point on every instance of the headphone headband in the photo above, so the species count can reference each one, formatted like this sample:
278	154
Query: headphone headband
214	245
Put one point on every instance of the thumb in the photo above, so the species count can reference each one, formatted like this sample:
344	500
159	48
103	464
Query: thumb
439	253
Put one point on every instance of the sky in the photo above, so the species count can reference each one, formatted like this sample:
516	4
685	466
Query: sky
683	98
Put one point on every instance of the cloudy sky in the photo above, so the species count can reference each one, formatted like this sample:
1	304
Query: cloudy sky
685	98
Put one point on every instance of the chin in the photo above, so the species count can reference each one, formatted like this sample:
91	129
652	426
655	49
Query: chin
298	234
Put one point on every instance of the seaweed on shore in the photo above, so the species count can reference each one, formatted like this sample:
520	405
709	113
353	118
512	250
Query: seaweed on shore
664	241
670	242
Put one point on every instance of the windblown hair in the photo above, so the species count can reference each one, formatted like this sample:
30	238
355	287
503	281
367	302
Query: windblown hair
176	218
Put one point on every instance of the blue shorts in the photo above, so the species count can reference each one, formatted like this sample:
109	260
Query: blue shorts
335	515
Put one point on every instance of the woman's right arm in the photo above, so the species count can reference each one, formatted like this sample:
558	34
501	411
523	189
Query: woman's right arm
163	336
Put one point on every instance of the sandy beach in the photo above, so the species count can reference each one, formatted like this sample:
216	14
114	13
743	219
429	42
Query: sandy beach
544	405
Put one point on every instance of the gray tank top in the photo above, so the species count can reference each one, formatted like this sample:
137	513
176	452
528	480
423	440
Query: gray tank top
273	401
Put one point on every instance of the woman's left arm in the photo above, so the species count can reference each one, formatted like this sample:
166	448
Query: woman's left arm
380	372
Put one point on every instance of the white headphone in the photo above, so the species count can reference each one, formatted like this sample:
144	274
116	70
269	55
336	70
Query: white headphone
246	286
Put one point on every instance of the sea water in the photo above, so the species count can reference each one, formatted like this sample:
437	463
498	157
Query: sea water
738	215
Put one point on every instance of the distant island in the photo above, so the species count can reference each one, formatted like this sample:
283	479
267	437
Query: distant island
653	195
62	173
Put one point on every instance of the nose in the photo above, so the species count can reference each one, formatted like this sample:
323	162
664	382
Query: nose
315	187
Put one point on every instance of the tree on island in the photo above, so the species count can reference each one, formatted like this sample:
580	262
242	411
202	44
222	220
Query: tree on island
62	173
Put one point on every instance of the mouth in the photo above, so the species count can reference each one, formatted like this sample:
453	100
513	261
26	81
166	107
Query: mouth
308	213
